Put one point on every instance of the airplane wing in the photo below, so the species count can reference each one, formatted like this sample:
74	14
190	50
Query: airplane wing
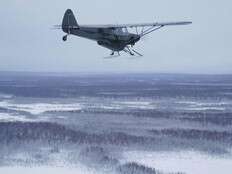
110	26
151	27
137	25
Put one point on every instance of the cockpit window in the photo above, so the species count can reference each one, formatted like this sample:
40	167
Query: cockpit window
125	30
120	31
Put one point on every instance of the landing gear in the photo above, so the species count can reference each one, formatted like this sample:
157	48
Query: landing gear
65	38
137	53
132	52
127	50
112	54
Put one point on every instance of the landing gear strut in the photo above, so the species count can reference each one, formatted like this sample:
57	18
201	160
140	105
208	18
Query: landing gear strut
132	52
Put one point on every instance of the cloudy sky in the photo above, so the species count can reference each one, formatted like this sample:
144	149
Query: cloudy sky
28	44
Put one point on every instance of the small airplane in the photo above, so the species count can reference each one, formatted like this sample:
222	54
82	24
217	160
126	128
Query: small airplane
117	38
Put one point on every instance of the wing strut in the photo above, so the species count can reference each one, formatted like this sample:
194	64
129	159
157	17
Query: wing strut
146	30
150	30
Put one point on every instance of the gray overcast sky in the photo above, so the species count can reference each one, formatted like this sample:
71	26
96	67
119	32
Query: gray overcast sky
28	44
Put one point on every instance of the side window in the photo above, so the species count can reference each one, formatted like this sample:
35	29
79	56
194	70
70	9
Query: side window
124	30
118	31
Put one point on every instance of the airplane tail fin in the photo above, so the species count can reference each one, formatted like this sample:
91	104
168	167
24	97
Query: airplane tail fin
69	21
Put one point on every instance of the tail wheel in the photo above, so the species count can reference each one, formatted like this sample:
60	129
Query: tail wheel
65	38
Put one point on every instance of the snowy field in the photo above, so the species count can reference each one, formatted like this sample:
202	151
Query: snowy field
119	124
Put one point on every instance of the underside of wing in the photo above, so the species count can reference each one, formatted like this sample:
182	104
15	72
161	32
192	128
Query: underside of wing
136	25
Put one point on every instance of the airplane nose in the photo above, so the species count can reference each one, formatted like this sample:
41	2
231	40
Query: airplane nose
137	38
134	39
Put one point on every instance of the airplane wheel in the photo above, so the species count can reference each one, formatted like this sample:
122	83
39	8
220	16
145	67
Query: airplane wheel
65	38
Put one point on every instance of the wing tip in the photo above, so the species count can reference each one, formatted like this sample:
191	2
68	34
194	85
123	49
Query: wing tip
188	22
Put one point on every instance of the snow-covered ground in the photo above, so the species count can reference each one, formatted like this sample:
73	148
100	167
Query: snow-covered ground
72	125
186	161
47	170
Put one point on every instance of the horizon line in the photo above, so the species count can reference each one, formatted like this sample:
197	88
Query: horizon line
111	73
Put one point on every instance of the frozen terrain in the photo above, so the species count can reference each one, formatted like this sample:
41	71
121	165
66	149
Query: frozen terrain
119	124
